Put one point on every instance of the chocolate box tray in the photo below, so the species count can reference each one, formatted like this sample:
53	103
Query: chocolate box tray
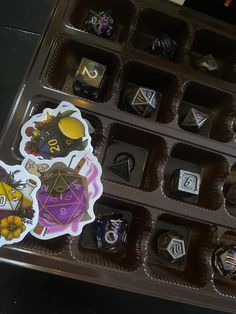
159	143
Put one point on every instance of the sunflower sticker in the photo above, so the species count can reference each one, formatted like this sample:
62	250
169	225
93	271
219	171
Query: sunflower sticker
55	133
18	203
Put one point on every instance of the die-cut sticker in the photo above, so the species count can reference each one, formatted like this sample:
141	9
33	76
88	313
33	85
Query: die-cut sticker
69	188
55	133
18	204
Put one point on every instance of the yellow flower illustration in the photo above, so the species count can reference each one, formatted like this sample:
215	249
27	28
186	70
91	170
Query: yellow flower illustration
11	227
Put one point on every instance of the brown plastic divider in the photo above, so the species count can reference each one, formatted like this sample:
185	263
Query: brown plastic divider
160	145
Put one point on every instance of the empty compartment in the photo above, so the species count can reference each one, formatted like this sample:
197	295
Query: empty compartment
195	176
66	60
122	12
38	107
153	23
223	285
214	109
191	268
130	259
49	247
222	49
166	86
134	157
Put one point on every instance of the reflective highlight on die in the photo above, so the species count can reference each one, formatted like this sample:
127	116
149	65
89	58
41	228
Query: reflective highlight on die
224	260
111	233
100	23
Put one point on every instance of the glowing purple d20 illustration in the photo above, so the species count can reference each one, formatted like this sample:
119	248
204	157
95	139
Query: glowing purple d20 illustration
63	196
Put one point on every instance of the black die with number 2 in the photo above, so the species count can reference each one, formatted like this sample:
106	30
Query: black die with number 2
89	79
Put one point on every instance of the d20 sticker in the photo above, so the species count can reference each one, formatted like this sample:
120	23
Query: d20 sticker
70	187
18	204
55	133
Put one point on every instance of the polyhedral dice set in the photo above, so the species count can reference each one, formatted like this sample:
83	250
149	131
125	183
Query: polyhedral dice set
155	87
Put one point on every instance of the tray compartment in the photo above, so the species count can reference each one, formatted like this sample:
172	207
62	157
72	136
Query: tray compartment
122	11
212	168
50	247
226	286
153	23
196	272
223	49
149	152
217	105
85	250
66	59
166	84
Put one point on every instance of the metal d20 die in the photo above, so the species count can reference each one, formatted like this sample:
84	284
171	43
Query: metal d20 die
224	260
231	195
194	120
99	23
185	183
171	247
89	79
143	100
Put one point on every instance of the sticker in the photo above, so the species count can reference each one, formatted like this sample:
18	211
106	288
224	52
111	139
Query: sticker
18	204
69	188
55	133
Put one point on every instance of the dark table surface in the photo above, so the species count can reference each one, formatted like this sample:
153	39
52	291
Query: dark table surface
25	291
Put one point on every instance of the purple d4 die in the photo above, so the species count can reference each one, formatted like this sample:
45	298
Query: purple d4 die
111	233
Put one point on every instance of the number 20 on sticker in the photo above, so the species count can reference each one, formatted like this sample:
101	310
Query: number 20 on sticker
54	147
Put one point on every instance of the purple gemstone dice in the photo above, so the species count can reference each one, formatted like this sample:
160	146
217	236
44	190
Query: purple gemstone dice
99	23
164	46
111	233
224	260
